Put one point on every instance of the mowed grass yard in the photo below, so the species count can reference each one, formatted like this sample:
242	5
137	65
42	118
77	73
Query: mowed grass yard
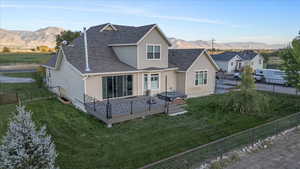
24	58
85	143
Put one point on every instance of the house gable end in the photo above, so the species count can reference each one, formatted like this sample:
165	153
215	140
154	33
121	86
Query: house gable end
155	27
209	58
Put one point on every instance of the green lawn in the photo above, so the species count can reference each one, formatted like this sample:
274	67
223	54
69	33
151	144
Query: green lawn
13	58
24	90
85	143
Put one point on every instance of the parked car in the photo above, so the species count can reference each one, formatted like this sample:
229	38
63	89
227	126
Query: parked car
238	76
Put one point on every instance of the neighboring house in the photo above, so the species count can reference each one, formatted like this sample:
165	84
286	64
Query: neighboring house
228	61
234	61
114	61
252	58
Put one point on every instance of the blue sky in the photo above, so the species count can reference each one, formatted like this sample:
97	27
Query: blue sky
269	21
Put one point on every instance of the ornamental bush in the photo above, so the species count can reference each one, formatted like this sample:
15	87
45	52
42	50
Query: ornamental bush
26	147
247	100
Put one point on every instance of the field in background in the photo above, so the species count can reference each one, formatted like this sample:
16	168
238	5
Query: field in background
24	58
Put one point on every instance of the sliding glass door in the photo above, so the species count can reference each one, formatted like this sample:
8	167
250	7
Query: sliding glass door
117	86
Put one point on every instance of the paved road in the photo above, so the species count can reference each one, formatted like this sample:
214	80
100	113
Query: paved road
6	79
18	71
223	86
283	154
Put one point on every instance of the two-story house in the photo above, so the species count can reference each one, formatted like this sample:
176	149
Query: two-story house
114	61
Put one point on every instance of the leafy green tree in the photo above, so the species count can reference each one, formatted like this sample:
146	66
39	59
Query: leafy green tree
248	82
291	64
247	100
68	36
5	50
39	76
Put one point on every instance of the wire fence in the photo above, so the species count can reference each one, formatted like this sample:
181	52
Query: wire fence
193	158
22	95
226	83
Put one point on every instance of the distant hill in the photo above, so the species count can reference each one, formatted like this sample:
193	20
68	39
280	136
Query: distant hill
29	39
179	43
46	36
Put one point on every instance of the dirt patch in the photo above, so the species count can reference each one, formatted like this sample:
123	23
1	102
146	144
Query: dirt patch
8	98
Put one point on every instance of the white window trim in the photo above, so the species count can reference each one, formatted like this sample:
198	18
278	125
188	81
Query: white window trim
149	44
199	85
149	81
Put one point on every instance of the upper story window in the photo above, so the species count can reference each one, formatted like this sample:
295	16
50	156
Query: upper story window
153	52
201	78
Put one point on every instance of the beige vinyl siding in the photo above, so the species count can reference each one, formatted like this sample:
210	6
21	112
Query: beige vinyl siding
180	82
171	83
154	38
70	82
202	63
127	54
94	85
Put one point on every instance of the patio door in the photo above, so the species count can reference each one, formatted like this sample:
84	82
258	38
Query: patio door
151	81
117	86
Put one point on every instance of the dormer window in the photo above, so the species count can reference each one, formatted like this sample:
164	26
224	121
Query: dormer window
153	52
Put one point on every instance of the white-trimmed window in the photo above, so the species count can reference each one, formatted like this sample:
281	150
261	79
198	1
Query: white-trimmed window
151	80
153	52
201	78
154	81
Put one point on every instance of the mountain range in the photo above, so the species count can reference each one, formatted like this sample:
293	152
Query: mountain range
46	37
29	39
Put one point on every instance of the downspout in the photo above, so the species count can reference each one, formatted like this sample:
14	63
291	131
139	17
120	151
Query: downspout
87	68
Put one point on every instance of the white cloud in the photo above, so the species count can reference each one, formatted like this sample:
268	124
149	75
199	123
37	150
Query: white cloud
119	10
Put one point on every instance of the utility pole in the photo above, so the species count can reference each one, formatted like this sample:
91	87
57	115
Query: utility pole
212	46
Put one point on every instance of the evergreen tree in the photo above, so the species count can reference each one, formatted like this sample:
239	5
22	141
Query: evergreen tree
25	147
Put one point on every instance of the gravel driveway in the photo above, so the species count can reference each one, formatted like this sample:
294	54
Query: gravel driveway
283	154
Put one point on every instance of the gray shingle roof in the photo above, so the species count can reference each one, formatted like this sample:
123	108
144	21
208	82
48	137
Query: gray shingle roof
183	58
101	56
247	54
226	56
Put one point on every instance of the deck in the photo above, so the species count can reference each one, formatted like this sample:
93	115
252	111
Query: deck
118	110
